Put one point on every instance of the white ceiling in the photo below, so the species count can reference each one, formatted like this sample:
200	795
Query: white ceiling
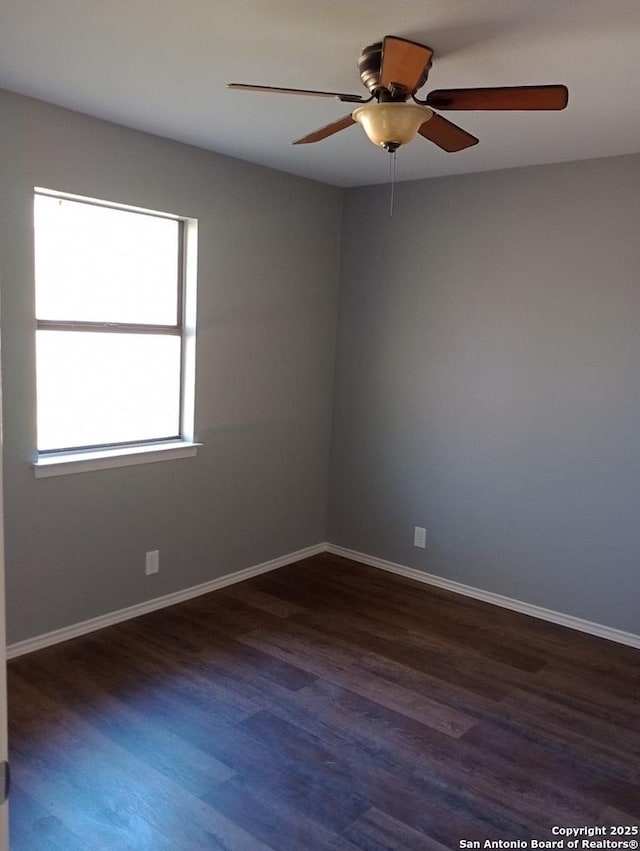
162	66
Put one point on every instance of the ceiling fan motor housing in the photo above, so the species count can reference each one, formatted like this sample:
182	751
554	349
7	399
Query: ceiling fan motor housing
369	66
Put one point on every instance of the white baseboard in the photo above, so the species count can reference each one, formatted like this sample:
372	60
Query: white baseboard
47	639
84	627
570	621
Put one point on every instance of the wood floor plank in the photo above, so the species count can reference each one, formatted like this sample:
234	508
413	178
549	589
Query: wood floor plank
452	667
136	731
332	662
274	818
378	831
581	724
99	787
384	788
371	749
37	827
549	750
247	594
588	694
612	816
106	818
207	645
326	706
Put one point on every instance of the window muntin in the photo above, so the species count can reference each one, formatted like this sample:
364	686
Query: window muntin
110	326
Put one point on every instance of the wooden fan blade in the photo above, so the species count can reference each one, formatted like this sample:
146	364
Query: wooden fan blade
506	97
249	87
328	130
403	63
446	135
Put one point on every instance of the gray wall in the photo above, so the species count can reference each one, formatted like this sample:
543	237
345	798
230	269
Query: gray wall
488	383
269	247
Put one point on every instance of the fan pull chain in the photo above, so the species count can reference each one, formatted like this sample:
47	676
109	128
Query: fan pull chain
392	177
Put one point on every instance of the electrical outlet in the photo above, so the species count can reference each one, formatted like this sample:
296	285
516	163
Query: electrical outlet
152	562
419	537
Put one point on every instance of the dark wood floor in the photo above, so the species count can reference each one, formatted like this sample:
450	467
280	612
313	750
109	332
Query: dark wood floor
327	705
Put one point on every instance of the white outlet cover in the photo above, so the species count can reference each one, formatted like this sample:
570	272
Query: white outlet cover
419	537
152	562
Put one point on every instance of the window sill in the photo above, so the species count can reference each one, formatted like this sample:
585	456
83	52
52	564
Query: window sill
82	462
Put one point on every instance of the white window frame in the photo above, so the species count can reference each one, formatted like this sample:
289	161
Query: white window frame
63	462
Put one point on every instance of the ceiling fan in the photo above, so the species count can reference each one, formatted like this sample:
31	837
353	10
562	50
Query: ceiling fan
393	70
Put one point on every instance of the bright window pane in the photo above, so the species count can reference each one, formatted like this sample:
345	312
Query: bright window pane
98	388
101	264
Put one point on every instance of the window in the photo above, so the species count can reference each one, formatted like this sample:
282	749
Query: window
114	338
